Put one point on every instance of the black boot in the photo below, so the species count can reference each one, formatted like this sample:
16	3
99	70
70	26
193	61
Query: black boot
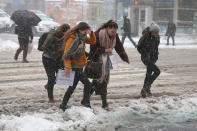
143	92
148	91
18	51
86	98
104	102
62	107
103	88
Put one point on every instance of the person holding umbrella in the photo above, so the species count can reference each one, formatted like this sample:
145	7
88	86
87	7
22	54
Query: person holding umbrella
24	20
25	35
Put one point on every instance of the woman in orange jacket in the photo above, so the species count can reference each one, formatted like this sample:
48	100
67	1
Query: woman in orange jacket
75	59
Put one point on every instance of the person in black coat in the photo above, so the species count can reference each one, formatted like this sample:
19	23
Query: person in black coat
25	35
127	31
171	30
148	48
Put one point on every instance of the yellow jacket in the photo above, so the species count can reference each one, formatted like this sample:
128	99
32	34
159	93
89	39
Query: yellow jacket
83	61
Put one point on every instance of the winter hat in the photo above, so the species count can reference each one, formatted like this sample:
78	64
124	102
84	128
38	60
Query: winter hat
154	28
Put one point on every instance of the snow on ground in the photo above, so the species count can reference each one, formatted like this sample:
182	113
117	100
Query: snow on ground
154	113
182	42
141	113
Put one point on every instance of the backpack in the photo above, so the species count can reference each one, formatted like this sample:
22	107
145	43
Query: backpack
41	41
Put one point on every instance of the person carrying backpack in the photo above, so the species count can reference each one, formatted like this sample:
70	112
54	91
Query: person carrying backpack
52	55
75	59
41	40
148	48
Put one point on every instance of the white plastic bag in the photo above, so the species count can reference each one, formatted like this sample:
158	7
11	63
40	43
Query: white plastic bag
30	48
61	79
114	61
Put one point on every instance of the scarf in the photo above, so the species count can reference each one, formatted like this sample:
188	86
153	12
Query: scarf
106	42
76	48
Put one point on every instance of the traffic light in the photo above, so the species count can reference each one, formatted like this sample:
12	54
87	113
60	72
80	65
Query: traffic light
136	2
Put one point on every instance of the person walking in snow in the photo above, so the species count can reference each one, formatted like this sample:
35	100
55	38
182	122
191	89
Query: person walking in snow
75	59
52	55
127	30
171	30
25	36
148	48
106	41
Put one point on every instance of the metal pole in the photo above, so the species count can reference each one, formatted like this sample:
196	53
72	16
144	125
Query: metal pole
116	10
175	15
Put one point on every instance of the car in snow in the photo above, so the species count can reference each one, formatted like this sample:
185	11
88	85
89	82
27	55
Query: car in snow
44	25
5	21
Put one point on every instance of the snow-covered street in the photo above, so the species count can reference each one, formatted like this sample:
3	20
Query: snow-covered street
173	107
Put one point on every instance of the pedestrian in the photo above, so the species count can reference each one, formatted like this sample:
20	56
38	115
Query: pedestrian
107	40
148	48
25	36
127	30
171	30
75	59
52	55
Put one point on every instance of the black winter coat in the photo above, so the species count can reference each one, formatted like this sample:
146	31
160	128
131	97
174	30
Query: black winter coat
171	30
24	32
126	26
148	48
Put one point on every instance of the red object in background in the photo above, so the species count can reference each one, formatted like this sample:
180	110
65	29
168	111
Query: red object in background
136	2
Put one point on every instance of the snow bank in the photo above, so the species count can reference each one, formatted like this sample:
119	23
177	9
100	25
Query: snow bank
6	45
182	42
141	113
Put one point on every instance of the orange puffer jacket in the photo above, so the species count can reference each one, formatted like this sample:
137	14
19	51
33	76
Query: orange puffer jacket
83	61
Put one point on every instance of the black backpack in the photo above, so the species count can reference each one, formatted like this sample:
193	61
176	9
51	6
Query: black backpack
41	41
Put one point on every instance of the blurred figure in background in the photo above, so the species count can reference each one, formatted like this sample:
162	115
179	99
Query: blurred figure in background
25	35
127	30
171	30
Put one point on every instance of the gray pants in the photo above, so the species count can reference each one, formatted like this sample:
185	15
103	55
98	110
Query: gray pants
172	36
124	35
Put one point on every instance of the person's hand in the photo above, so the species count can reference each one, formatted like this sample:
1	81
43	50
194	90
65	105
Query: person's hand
88	32
109	50
30	41
67	72
128	61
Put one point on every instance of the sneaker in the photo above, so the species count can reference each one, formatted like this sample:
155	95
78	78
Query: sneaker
63	108
52	101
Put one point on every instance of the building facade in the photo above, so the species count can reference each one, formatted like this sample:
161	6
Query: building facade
66	11
11	5
142	12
